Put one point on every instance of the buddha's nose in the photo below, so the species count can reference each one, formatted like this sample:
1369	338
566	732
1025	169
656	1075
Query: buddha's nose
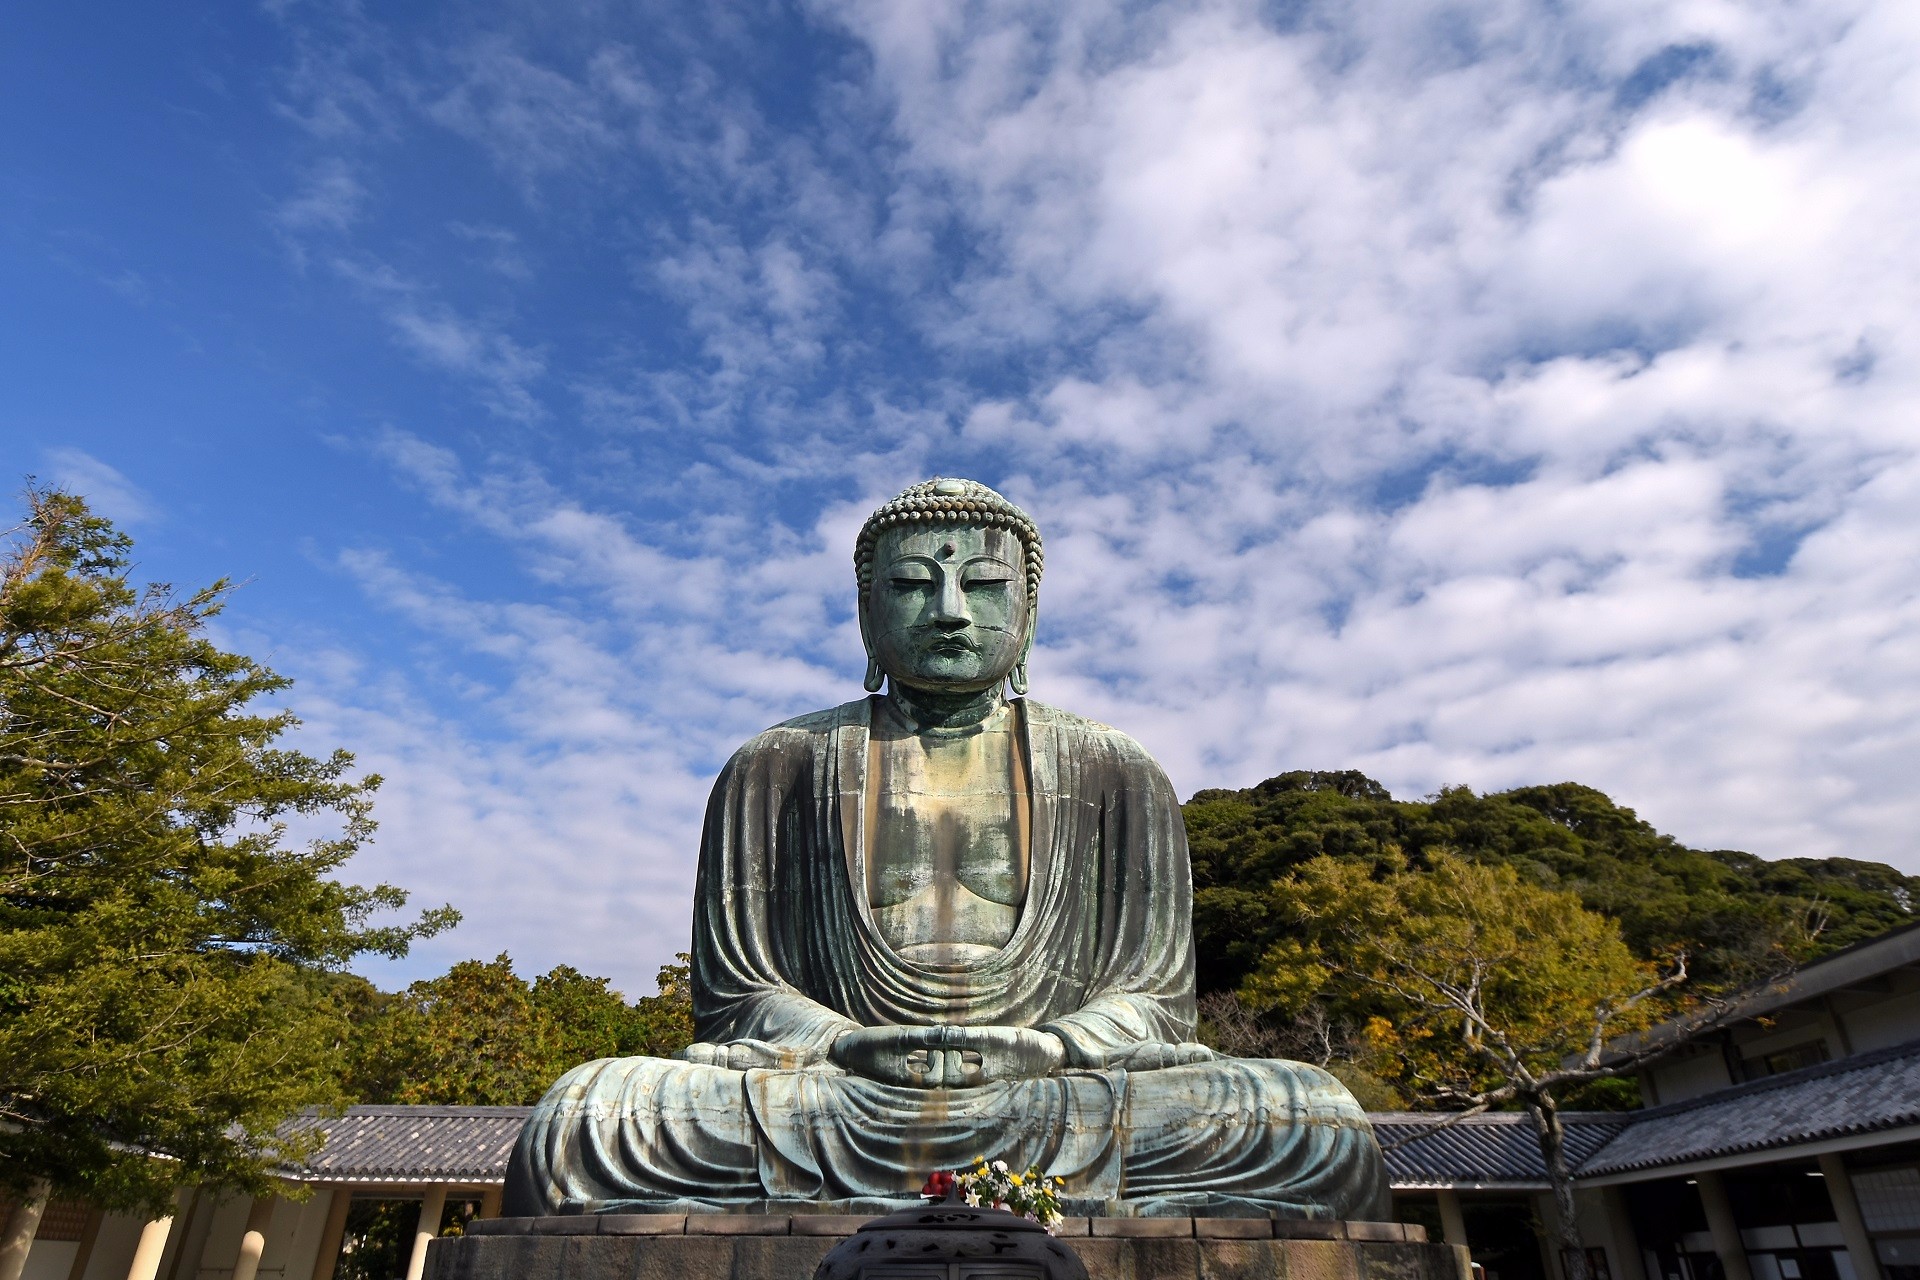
950	607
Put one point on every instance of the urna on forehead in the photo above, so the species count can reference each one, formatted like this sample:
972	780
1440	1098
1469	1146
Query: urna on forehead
949	502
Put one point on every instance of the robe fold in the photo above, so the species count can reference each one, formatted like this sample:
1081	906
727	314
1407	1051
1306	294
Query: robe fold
786	957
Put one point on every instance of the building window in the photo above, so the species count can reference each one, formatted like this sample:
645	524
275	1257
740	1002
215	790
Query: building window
1889	1199
1810	1054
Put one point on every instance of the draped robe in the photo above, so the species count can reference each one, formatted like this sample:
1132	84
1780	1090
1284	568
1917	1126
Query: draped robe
786	957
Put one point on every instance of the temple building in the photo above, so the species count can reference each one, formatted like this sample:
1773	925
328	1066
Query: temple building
1783	1146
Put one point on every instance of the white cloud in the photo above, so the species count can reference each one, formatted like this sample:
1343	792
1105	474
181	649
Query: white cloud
330	201
106	490
499	248
502	373
532	119
498	365
1367	257
1495	395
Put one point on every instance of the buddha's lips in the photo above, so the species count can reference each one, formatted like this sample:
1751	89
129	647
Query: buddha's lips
953	644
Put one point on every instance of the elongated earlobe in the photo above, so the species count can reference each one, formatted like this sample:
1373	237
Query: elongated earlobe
875	676
1017	678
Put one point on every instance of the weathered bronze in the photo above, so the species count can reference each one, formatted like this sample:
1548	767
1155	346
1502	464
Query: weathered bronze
939	923
949	1241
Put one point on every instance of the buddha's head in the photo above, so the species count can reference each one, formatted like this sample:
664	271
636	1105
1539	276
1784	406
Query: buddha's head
949	575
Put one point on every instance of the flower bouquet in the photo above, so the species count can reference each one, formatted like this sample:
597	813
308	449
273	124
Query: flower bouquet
1032	1194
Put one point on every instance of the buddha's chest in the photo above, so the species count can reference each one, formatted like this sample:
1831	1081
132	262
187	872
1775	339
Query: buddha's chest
946	846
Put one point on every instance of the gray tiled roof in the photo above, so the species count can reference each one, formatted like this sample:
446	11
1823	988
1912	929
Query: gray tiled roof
416	1144
1861	1094
1492	1149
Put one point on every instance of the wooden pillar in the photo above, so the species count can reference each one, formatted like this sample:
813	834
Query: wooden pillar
432	1205
253	1241
490	1202
1846	1207
152	1246
1630	1263
1453	1223
328	1258
22	1222
1726	1232
89	1237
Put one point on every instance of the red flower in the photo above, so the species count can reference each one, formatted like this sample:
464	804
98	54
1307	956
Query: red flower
939	1185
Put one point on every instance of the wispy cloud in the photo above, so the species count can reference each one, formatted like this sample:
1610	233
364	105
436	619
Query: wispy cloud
499	249
331	200
103	486
499	365
501	372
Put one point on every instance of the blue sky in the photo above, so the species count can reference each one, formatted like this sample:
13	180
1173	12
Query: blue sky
1487	394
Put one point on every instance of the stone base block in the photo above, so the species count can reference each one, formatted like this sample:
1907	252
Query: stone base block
757	1247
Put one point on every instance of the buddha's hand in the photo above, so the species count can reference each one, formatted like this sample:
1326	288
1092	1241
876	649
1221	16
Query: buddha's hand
948	1057
1156	1057
745	1055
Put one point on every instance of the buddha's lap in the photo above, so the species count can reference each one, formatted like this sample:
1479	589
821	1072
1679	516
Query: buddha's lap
1238	1093
648	1129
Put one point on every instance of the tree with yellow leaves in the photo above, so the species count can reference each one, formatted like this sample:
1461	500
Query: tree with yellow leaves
1480	989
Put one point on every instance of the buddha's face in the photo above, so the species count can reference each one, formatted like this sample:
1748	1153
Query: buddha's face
947	609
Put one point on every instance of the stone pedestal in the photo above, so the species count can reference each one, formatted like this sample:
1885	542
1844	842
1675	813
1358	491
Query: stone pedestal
728	1246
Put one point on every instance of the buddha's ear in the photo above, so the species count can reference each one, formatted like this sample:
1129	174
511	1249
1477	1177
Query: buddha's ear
875	676
1017	678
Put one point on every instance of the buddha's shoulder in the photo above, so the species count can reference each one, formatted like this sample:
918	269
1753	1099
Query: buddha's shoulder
803	733
1088	732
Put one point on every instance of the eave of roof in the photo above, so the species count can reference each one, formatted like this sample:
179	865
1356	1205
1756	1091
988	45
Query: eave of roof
1486	1151
389	1144
1867	1093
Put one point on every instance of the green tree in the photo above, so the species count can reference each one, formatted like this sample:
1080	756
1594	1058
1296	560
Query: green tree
1479	989
1730	910
166	950
472	1035
480	1035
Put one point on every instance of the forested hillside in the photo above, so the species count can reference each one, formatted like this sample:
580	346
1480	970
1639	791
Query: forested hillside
1728	908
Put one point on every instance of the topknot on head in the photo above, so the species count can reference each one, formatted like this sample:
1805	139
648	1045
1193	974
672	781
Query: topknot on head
949	500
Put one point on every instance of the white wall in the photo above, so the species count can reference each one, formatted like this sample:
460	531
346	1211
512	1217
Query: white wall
1682	1077
1890	1021
50	1259
220	1245
293	1241
113	1247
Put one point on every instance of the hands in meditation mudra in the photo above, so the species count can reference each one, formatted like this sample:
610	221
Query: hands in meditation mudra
939	923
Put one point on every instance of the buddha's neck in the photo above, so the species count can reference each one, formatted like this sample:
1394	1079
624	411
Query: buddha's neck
931	709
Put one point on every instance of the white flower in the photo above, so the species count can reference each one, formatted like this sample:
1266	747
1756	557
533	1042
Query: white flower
999	1166
973	1199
